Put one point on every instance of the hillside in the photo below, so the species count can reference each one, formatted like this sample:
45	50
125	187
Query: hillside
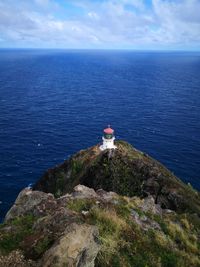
125	171
102	229
104	208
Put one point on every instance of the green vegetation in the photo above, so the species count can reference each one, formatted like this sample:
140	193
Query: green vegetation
16	235
42	246
126	171
60	182
19	228
133	232
80	204
125	243
76	167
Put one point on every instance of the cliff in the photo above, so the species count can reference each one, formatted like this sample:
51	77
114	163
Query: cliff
125	171
104	208
88	228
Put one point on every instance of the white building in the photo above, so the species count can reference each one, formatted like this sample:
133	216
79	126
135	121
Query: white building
108	139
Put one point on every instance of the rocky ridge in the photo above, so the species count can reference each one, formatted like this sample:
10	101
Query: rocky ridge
126	171
104	208
96	228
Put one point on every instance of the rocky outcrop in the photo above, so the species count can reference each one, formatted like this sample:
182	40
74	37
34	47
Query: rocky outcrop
144	221
148	205
27	201
95	228
81	191
125	171
53	235
104	208
77	247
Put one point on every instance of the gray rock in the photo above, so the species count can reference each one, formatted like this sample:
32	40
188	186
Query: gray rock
78	247
106	196
144	222
81	191
149	206
26	201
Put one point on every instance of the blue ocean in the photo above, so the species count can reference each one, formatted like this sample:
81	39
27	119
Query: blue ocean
55	102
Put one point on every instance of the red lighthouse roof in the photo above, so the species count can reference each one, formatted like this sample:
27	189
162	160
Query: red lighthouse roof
108	130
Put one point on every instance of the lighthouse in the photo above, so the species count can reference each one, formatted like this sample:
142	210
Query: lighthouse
108	139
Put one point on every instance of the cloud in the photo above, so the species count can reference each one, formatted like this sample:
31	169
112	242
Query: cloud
42	2
160	24
178	21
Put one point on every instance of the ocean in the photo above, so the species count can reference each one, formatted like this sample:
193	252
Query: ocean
55	102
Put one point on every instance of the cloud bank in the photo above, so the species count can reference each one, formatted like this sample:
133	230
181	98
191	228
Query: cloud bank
128	24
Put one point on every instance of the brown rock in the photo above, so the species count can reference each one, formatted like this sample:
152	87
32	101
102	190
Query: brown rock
77	247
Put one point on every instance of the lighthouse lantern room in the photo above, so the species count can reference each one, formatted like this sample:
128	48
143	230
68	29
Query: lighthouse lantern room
108	139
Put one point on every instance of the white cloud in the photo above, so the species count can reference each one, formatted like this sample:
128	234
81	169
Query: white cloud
111	23
93	15
178	20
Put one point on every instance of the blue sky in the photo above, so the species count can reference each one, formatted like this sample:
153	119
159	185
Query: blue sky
100	24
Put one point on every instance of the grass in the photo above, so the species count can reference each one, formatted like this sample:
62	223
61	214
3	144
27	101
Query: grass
20	228
77	166
182	238
42	246
60	182
80	204
124	243
110	227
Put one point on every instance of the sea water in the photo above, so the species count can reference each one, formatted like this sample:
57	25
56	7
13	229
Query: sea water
54	103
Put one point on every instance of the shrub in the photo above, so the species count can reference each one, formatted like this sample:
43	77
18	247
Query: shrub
20	228
42	245
80	204
76	167
169	259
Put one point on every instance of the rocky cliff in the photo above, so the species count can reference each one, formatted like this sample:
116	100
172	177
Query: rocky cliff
104	208
88	228
125	171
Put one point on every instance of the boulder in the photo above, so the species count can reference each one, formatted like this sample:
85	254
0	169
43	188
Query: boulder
78	247
81	191
149	205
144	222
26	201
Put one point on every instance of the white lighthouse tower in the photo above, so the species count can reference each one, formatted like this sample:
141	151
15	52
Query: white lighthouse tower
108	139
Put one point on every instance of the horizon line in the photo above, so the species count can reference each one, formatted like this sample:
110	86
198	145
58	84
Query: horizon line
99	49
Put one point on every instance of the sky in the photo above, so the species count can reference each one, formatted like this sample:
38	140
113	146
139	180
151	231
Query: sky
100	24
